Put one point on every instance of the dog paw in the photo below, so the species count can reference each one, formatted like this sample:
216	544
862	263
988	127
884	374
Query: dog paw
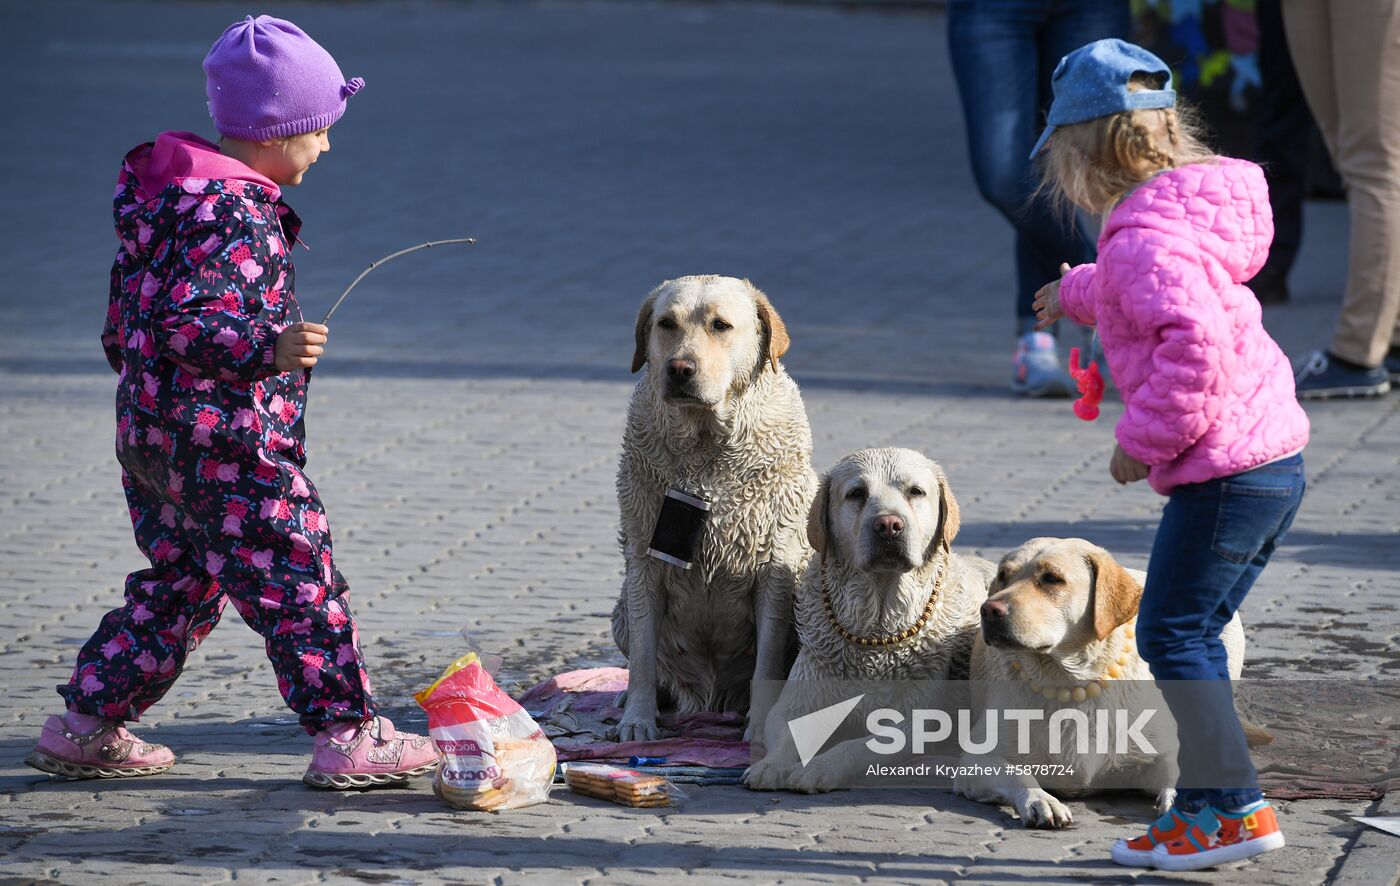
637	730
766	775
972	788
817	778
1164	801
1040	810
753	733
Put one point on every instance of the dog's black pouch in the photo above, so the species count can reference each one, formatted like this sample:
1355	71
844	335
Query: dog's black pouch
676	537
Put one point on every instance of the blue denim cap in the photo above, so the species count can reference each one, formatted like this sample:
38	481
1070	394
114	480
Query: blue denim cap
1092	82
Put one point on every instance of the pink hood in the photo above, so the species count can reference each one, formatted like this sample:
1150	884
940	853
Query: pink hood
181	158
181	155
1207	392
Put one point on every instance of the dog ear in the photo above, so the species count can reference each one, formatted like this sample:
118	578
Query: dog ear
775	334
949	515
1116	593
997	583
639	356
818	528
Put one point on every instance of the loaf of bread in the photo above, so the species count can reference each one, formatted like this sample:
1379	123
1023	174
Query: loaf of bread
524	765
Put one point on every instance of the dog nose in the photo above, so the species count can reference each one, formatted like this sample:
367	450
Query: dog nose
679	369
889	526
995	609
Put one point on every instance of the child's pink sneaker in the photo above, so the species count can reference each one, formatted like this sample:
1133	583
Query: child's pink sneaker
367	754
80	746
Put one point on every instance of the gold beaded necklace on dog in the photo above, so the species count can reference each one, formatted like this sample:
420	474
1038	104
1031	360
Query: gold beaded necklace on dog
903	636
1089	689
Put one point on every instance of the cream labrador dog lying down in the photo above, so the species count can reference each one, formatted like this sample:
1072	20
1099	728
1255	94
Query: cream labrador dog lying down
885	599
716	418
1058	632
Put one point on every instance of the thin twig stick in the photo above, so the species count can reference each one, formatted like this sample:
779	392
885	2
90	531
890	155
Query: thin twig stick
430	244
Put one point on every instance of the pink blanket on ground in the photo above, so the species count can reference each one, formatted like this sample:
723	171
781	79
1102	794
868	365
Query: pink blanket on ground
576	710
1321	749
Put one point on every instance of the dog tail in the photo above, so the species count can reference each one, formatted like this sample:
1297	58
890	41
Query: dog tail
1254	734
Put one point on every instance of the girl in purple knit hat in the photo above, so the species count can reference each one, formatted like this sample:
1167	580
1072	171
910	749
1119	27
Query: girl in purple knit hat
206	336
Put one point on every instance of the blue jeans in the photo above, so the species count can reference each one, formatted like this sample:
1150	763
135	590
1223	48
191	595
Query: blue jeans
1214	540
1003	54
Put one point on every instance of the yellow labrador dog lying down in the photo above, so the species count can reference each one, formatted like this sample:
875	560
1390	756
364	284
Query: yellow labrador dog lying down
885	599
1058	633
713	487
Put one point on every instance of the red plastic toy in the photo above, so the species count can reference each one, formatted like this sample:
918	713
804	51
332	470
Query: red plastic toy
1090	386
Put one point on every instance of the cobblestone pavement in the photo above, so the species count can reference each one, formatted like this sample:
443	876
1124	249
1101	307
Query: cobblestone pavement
465	423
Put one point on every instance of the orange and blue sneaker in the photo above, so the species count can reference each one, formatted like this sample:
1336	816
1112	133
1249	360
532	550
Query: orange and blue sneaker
1215	837
1137	852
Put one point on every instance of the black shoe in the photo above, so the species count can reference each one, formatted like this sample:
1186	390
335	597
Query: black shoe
1392	366
1322	377
1270	290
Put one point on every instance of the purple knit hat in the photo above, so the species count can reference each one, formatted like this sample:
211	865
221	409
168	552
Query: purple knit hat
267	79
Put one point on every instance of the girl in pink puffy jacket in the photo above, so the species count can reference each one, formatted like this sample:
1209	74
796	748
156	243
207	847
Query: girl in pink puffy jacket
1211	419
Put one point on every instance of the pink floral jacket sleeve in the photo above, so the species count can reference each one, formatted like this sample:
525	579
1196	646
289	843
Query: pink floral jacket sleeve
209	315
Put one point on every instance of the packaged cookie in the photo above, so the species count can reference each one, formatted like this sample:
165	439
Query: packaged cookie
618	785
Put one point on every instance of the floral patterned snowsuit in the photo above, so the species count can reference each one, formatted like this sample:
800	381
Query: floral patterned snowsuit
211	443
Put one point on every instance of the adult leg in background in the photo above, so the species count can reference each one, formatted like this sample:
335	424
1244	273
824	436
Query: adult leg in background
1283	131
1348	60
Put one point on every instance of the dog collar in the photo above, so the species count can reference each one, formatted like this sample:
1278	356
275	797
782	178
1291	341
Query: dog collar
1079	692
903	636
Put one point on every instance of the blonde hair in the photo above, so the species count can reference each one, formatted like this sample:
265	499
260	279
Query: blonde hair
1095	164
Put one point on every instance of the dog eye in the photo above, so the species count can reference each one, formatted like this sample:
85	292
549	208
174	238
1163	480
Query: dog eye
1051	578
856	494
666	323
916	492
721	326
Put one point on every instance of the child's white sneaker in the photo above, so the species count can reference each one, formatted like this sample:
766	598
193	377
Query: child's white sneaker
1036	370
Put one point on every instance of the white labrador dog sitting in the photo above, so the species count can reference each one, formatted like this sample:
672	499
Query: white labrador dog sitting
885	600
1058	634
718	418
